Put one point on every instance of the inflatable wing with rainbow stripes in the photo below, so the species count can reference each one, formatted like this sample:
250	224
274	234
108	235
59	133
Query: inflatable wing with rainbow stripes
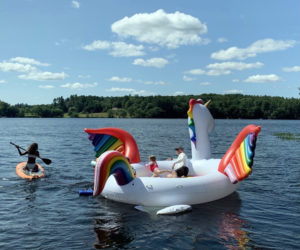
112	163
105	139
238	160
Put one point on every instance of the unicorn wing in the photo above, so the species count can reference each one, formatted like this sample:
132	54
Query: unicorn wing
238	160
112	163
105	139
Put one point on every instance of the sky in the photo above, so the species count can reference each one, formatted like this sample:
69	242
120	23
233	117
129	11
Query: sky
54	48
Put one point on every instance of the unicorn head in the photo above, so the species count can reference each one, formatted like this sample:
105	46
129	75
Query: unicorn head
201	123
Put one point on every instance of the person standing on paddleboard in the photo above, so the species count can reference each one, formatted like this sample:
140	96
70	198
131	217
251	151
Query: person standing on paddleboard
33	153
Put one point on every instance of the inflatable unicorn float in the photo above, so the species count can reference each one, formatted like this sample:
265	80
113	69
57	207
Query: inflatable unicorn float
209	179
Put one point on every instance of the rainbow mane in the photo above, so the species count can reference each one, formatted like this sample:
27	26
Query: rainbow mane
191	122
238	160
104	142
112	162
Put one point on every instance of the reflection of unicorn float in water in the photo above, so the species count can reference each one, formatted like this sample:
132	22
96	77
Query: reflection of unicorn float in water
210	179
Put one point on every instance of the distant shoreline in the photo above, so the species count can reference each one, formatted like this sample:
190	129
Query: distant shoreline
229	106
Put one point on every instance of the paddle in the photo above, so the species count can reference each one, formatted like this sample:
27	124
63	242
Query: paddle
45	160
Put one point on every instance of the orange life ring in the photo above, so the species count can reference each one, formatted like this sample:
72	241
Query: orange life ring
25	175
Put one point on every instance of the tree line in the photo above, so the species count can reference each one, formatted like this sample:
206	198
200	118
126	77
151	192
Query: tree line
230	106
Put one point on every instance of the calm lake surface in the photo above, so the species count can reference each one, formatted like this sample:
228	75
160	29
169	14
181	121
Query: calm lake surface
49	214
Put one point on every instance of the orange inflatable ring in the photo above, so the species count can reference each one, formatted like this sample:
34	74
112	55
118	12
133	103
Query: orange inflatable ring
25	175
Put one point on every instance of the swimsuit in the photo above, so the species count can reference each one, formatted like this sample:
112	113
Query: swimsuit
152	165
31	162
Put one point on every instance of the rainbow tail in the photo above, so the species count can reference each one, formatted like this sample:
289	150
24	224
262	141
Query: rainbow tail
238	160
112	162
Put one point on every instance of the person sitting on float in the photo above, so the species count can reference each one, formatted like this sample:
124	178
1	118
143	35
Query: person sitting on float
179	167
32	153
152	165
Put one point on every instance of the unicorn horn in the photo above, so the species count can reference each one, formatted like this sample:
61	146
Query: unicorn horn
207	103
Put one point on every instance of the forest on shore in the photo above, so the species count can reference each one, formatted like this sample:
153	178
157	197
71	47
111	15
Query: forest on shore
229	106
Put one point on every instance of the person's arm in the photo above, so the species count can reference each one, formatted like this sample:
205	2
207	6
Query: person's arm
20	153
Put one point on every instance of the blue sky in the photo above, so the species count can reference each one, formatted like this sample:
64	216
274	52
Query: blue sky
56	48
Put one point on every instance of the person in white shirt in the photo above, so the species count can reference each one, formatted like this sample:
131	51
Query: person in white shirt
179	167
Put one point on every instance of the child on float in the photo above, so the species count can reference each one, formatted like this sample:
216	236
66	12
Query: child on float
152	165
33	153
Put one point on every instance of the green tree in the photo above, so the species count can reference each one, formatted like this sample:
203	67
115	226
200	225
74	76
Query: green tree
72	112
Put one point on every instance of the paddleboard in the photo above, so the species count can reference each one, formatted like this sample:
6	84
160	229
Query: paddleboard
28	174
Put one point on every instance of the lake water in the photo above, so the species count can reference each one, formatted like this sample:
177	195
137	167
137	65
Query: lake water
49	214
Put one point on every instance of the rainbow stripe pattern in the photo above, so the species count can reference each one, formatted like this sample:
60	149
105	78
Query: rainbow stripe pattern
105	142
237	162
243	158
112	163
191	122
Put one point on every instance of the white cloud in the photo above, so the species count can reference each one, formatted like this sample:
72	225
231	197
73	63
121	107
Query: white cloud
44	76
18	67
260	46
120	79
152	62
121	49
46	86
155	83
97	45
205	83
235	80
263	78
217	72
129	90
26	60
115	89
225	68
118	49
212	72
187	78
195	72
164	29
234	66
153	48
61	42
222	40
75	4
292	69
2	81
234	91
178	93
78	85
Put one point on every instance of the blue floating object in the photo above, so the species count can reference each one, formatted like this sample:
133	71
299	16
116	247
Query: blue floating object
86	192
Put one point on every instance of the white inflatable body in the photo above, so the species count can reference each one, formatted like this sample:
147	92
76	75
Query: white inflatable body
208	185
210	179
